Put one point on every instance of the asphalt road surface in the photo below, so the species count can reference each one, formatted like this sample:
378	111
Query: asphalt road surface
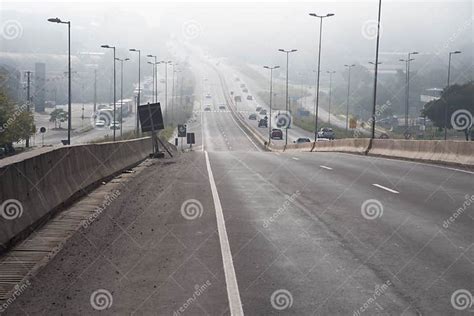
230	229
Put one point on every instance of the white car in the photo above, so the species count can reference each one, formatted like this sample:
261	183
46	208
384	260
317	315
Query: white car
115	125
100	123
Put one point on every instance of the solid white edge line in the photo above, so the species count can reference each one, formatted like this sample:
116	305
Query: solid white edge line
385	188
235	304
326	167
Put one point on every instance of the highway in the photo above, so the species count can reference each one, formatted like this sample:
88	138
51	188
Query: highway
231	229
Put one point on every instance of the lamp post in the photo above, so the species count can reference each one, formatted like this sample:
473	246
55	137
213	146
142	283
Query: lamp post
376	65
407	85
348	93
155	78
153	65
321	17
69	114
139	87
172	92
287	97
121	91
330	94
166	84
446	106
271	92
115	106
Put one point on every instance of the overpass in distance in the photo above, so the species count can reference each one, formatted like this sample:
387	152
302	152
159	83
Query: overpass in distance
233	228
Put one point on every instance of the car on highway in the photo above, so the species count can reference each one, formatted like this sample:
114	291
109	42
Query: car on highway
207	108
263	123
327	133
302	140
276	133
115	125
208	96
249	97
100	123
263	112
258	109
253	116
245	90
222	107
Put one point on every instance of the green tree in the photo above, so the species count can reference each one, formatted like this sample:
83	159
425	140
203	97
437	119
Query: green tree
458	99
16	122
58	116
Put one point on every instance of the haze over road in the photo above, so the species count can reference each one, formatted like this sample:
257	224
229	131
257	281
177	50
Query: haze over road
229	229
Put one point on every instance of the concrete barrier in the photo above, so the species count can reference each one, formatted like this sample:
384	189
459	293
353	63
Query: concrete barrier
459	153
39	182
351	145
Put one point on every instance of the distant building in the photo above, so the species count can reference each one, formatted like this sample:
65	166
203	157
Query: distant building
39	96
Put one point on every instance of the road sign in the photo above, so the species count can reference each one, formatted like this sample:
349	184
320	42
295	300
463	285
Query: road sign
190	138
151	118
352	123
182	130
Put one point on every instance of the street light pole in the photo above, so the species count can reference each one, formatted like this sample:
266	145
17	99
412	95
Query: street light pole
155	78
121	91
69	112
376	65
271	92
407	85
330	94
446	106
287	97
321	17
348	94
139	87
115	97
166	85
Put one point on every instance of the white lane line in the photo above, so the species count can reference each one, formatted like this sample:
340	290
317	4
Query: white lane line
326	167
294	158
385	188
235	304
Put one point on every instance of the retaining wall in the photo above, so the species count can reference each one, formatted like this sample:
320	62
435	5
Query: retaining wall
39	182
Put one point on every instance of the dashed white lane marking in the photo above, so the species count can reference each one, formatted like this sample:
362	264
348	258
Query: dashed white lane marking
385	188
326	167
294	158
235	304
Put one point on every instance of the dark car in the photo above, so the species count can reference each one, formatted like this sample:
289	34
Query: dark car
207	109
302	140
263	123
222	107
263	112
249	97
326	132
245	90
276	133
258	109
253	116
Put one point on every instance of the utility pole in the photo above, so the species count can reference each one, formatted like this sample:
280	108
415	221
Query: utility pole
95	91
28	100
